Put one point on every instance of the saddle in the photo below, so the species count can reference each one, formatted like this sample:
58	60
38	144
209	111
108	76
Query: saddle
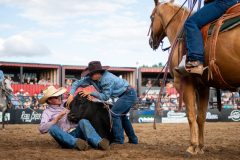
228	21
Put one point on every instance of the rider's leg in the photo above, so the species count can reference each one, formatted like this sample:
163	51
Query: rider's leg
194	41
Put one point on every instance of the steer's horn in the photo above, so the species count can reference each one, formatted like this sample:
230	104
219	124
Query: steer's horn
171	1
156	2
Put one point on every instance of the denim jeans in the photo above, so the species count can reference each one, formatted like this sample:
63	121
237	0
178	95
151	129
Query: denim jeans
120	122
84	130
193	25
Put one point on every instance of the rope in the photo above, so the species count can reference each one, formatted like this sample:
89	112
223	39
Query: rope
109	114
116	114
170	58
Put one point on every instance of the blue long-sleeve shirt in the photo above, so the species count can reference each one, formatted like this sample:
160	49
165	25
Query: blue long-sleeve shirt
109	86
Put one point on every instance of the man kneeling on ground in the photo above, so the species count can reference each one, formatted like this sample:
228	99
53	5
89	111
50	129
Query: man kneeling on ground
68	135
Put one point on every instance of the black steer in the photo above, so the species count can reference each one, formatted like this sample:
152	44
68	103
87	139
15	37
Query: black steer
95	112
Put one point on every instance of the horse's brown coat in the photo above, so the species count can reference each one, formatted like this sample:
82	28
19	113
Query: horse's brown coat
196	89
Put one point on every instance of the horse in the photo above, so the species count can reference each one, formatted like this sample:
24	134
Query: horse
5	102
96	112
167	21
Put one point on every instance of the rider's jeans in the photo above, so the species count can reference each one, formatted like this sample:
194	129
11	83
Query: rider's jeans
193	25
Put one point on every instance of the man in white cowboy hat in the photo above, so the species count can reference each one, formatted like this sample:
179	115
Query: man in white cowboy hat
68	135
110	86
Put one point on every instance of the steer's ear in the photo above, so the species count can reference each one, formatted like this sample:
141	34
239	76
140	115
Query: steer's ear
81	100
156	2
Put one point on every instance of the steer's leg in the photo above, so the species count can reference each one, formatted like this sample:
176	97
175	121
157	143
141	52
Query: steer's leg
202	109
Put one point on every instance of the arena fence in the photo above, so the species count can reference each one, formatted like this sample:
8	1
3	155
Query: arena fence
213	115
28	116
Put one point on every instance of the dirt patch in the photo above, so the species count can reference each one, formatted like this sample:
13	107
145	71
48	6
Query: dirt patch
169	141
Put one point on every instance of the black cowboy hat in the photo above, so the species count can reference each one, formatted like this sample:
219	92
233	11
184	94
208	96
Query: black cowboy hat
94	66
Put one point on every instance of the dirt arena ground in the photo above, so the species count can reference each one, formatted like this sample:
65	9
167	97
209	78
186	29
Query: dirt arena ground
169	141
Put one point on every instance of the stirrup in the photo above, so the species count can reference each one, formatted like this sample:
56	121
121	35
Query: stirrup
184	71
181	69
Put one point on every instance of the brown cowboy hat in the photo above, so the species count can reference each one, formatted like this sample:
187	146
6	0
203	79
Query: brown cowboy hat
94	66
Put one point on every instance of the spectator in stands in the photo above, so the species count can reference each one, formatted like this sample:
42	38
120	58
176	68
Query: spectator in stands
27	103
142	98
35	81
149	84
155	96
68	82
27	80
171	91
10	79
164	106
40	95
15	101
235	96
21	96
49	83
26	96
226	97
152	106
160	83
34	101
148	101
22	79
42	81
44	106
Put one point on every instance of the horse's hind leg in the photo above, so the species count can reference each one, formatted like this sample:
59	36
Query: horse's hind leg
201	118
3	117
189	97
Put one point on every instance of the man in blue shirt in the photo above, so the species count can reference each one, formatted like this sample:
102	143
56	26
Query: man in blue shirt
110	86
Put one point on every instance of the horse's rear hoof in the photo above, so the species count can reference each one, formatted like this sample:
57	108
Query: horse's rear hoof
200	150
191	151
187	155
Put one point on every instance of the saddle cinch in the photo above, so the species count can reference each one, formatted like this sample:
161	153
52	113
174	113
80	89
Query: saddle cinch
228	21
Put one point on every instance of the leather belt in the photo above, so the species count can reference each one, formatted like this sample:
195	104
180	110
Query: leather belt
126	91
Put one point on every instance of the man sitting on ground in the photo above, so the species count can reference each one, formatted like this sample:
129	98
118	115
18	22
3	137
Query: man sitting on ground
68	135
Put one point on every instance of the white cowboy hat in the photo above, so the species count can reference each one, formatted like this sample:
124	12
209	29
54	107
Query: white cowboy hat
51	91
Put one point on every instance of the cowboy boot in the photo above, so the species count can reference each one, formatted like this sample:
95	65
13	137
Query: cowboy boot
81	145
104	144
195	67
